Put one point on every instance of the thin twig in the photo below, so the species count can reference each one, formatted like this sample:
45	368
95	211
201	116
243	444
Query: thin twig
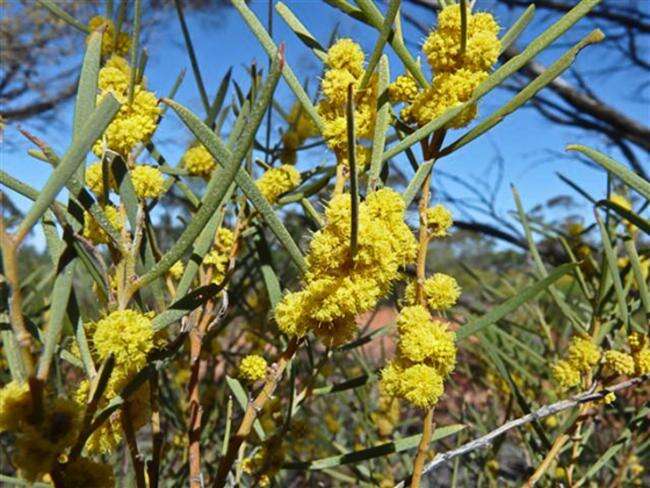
545	411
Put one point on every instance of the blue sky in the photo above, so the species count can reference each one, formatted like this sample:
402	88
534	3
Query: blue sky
524	140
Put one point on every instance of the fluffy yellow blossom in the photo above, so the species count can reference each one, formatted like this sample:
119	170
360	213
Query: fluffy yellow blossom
147	181
642	361
224	239
338	288
637	341
551	422
609	398
95	179
176	271
128	335
252	368
15	405
619	362
266	462
423	339
85	472
198	161
346	54
345	61
438	221
278	181
583	354
446	91
420	385
94	233
441	291
621	201
135	121
403	89
442	46
120	43
565	374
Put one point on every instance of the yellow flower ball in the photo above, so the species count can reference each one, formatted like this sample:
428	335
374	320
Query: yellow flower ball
442	46
148	181
278	181
403	89
420	385
177	269
120	44
438	220
565	374
619	362
583	354
128	335
346	54
642	361
94	233
198	161
252	368
95	179
441	291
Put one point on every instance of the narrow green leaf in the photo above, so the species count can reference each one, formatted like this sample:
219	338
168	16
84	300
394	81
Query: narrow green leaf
135	44
416	182
517	28
381	450
639	277
612	265
301	31
630	216
92	130
381	124
384	32
63	15
497	313
87	88
242	398
463	27
190	50
628	177
271	49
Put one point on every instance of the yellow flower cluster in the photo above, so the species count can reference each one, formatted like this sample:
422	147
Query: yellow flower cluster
128	336
94	233
95	179
456	73
135	121
177	269
345	67
442	46
581	356
40	438
640	347
147	181
337	287
619	362
278	181
85	472
198	161
220	254
301	127
440	291
252	368
426	354
438	220
111	43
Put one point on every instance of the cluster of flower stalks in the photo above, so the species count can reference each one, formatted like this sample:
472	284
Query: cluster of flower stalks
220	319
